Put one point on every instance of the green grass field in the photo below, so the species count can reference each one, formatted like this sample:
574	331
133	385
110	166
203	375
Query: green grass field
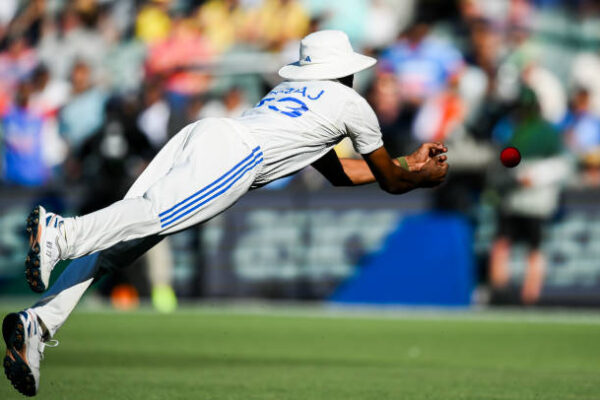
223	354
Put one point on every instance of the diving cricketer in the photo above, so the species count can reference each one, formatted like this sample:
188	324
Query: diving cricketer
203	170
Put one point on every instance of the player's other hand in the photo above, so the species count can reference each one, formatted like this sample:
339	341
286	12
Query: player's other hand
429	164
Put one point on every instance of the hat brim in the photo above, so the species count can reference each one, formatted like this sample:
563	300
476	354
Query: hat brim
348	66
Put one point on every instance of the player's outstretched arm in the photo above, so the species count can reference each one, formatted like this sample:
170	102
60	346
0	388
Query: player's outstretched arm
345	171
427	167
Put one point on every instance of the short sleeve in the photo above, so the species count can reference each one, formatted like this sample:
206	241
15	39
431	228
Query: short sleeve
362	126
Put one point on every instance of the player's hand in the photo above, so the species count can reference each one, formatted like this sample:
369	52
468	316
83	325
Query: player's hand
433	172
429	164
417	160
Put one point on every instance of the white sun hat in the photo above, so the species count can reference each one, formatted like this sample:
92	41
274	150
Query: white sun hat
326	54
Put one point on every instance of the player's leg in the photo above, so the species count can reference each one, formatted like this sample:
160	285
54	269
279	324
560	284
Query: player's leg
48	232
499	257
60	300
533	281
500	253
214	167
28	332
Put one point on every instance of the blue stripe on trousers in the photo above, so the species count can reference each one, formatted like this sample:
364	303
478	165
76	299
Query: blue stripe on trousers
221	188
249	168
205	194
211	184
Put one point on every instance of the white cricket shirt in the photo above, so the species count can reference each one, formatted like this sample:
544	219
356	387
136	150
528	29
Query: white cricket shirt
298	122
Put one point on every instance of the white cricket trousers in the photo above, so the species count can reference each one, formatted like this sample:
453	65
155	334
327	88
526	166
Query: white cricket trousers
199	173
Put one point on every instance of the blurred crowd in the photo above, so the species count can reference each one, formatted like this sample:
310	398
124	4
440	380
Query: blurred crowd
91	89
95	87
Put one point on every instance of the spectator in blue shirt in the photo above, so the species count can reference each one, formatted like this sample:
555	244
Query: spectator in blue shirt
582	136
22	159
422	65
581	127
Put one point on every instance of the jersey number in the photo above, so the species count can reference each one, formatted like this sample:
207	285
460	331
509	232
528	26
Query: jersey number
290	106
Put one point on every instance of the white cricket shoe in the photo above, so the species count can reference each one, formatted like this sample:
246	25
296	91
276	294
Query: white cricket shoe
25	343
45	229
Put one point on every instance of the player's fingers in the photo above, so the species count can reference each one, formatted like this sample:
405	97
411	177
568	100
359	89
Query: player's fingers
437	148
442	158
433	145
442	166
431	149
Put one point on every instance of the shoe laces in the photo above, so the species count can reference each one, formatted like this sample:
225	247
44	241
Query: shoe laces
49	343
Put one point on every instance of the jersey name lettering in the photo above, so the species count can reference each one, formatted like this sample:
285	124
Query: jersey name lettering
289	106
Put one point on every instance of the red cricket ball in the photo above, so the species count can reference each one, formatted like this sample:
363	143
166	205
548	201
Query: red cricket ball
510	157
